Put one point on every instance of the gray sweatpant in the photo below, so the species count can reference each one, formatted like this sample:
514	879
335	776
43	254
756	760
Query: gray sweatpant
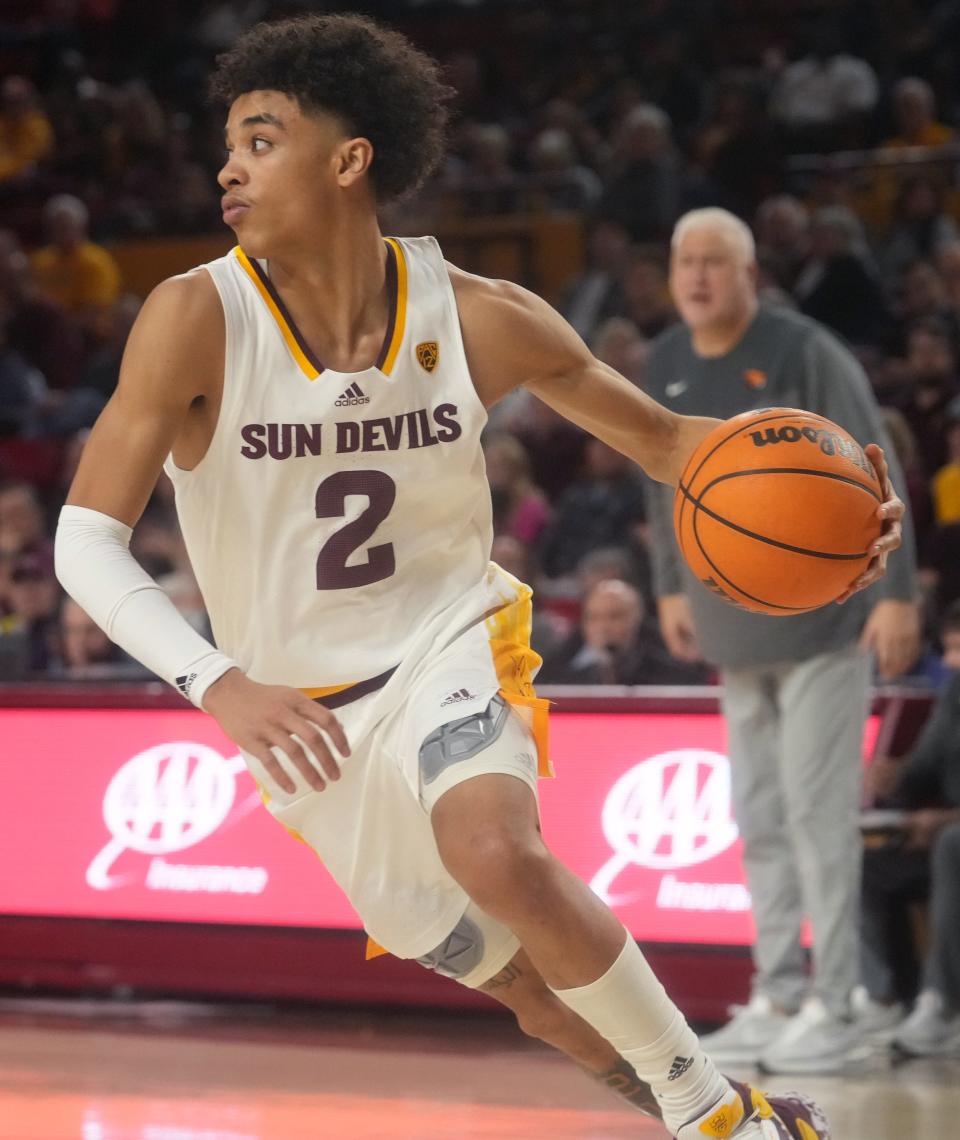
795	744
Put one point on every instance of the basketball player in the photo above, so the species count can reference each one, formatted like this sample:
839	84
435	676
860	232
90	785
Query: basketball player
317	398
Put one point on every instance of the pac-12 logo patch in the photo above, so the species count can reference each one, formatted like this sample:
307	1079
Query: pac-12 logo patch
428	354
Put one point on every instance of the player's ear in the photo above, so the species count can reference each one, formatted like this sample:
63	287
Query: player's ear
353	160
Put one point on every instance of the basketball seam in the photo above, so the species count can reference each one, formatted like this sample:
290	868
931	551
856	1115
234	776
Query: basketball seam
763	538
775	414
730	581
795	471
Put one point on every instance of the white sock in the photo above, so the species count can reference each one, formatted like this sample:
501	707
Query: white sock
629	1007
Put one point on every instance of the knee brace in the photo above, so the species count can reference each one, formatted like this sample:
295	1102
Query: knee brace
459	953
462	739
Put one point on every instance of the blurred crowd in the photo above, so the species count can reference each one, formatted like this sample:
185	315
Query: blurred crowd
830	127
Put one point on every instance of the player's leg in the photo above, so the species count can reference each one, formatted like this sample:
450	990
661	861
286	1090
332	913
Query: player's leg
488	836
824	702
541	1014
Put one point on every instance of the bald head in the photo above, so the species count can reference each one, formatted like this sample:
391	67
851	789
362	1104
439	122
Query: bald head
612	613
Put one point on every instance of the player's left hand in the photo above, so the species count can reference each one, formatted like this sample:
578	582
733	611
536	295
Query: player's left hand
890	512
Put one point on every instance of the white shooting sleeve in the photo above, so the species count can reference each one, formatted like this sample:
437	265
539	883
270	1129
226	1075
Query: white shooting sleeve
95	567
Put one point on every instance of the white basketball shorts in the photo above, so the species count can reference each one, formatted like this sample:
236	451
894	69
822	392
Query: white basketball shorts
372	830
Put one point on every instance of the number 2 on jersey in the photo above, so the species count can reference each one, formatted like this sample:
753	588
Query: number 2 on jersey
379	489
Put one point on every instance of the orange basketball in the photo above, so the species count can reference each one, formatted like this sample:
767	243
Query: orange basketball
776	510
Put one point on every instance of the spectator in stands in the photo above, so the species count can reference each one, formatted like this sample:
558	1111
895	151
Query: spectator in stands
609	562
549	628
547	437
26	136
604	507
560	181
489	181
932	384
921	860
597	292
642	184
646	297
23	391
921	228
623	346
823	99
946	481
782	231
940	562
837	284
915	115
615	646
74	271
520	508
921	293
158	546
137	132
23	528
738	154
103	369
37	327
948	268
86	653
918	489
144	203
32	597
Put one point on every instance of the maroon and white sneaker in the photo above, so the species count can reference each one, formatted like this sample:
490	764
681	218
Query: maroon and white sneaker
747	1114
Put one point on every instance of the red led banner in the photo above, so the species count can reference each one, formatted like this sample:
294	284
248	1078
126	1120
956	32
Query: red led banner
149	814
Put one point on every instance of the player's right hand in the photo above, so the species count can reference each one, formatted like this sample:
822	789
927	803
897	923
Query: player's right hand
677	628
259	718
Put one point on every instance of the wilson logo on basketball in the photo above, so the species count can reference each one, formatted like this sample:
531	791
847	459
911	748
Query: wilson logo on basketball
428	355
829	442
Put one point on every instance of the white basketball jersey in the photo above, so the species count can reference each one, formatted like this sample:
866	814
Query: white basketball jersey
340	523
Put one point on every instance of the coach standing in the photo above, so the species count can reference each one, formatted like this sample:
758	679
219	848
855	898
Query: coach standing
795	689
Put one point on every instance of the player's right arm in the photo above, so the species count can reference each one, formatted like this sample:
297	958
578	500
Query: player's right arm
165	401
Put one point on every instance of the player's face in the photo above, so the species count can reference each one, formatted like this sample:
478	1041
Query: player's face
280	178
711	279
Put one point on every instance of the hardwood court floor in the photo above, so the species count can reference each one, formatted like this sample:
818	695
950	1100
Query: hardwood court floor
77	1071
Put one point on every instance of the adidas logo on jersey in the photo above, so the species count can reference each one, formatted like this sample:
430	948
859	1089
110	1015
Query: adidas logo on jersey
353	395
457	697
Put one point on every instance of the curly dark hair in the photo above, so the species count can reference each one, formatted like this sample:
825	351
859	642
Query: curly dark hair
372	78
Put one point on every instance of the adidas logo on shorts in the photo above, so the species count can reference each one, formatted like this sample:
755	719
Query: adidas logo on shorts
353	395
457	697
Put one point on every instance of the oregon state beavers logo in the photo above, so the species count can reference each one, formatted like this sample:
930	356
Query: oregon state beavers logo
428	354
